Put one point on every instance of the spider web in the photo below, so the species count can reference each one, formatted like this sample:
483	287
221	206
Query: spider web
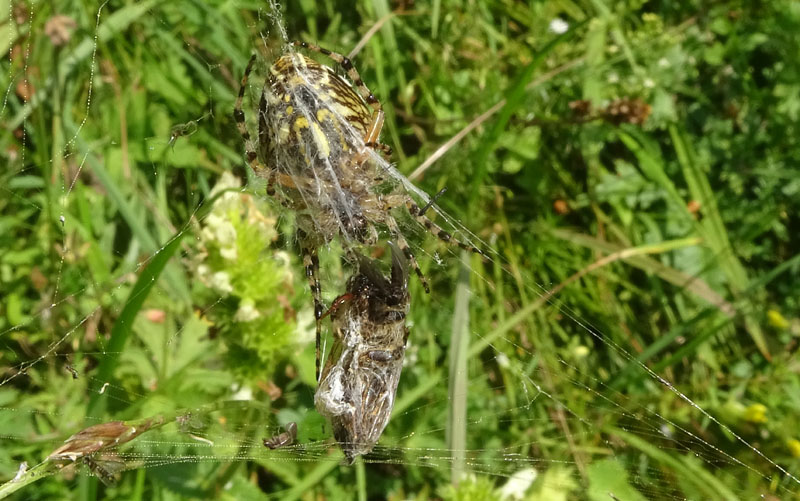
509	416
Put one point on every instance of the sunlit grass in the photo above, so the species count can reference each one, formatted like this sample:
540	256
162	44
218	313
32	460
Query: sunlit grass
617	245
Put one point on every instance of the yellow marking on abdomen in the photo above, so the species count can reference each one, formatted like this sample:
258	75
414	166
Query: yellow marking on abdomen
322	141
300	123
323	115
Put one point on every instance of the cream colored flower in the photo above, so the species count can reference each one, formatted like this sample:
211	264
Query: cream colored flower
518	484
247	311
558	26
221	281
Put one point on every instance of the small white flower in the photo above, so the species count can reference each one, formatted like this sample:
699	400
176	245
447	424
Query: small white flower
203	270
305	331
213	220
502	360
412	355
221	281
247	311
283	259
649	83
207	233
613	78
558	26
518	484
226	180
663	62
229	253
226	233
244	393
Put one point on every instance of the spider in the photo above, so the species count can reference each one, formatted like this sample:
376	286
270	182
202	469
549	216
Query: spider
282	439
357	389
317	141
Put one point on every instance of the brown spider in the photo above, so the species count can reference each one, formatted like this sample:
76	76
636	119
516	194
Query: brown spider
282	439
317	142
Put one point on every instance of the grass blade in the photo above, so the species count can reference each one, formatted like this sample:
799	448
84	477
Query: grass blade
635	256
316	475
116	22
457	390
513	102
714	231
124	324
698	477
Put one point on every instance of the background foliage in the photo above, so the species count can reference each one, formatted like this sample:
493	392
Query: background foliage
677	213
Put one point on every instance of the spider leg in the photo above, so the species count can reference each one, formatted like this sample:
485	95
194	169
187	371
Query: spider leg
250	147
384	148
432	201
375	126
406	249
444	236
238	116
311	264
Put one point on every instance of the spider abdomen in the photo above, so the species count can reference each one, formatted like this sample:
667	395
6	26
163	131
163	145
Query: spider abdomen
312	130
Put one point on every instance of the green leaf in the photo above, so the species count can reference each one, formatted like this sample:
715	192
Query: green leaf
14	313
609	477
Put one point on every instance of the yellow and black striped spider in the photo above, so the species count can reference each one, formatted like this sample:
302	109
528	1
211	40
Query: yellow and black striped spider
318	146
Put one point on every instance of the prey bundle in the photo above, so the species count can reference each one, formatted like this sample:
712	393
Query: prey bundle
357	388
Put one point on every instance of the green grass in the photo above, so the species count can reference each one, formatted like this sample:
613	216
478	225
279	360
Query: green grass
619	248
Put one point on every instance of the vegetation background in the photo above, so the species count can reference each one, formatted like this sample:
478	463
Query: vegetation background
633	165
